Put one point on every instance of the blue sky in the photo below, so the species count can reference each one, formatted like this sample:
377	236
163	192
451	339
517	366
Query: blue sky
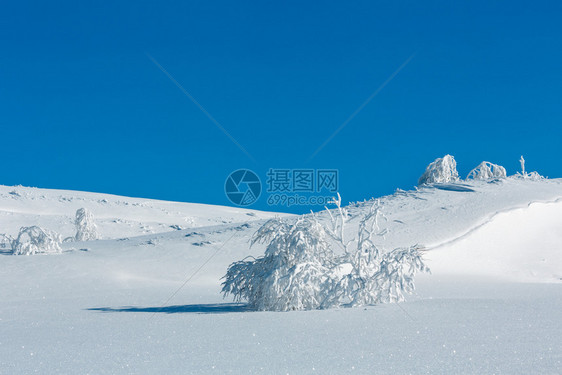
83	107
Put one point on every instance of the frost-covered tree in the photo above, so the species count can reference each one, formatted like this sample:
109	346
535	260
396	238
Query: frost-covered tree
6	241
442	170
290	275
362	259
487	171
534	176
300	271
33	240
376	276
395	276
86	229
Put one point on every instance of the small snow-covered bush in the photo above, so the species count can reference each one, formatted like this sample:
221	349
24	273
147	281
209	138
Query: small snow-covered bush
486	171
376	276
533	176
291	274
300	271
86	229
6	241
33	240
442	170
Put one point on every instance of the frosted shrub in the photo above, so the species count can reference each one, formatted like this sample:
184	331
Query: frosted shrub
6	241
395	276
534	176
442	170
299	270
487	171
86	229
290	275
376	276
33	240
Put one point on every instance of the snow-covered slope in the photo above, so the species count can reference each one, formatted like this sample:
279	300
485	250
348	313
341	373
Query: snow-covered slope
144	303
508	229
522	244
116	216
434	215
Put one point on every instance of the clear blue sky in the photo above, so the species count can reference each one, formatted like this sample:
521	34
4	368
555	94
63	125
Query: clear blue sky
83	107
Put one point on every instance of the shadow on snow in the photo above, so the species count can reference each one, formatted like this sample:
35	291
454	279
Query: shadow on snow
214	308
453	187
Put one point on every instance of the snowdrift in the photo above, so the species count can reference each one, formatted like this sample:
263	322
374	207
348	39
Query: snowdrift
523	245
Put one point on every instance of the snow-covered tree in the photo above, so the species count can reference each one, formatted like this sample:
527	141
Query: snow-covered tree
300	271
6	241
376	276
33	240
86	229
486	171
534	176
442	170
292	272
395	276
362	259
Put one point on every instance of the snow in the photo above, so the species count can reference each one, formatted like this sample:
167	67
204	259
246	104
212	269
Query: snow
119	305
115	216
521	245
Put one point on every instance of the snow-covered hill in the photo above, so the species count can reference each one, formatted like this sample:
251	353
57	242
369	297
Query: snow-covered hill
116	216
508	228
146	298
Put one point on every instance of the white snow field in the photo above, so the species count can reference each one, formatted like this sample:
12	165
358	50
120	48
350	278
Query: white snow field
128	304
116	216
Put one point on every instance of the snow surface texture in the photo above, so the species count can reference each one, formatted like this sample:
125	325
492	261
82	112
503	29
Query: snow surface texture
117	306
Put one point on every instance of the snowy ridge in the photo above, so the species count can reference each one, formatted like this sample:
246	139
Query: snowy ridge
437	214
